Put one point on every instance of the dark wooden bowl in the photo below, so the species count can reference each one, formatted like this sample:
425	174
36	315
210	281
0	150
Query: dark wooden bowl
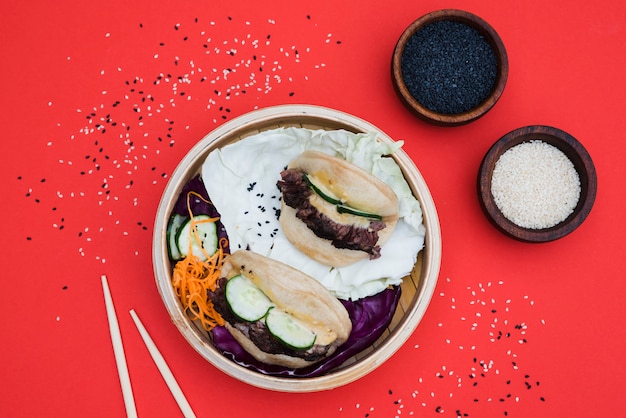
490	36
573	149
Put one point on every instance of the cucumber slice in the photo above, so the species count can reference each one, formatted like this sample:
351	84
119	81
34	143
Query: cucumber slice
321	192
341	207
207	233
288	330
176	221
246	300
356	212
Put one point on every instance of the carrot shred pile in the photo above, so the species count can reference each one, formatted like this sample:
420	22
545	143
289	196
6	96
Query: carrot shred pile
192	278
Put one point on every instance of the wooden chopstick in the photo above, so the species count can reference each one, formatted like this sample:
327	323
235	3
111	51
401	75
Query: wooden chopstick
163	368
118	350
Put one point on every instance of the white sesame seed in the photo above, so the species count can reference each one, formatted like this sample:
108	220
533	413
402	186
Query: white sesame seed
535	185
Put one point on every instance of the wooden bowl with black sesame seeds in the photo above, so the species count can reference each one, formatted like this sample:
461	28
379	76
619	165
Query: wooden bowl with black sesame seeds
449	67
416	288
537	184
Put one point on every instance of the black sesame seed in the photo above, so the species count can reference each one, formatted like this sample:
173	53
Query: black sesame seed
449	67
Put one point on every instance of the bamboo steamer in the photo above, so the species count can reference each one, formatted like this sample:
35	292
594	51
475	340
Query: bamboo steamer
417	288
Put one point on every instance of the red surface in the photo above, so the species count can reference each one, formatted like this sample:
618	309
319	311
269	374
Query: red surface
513	328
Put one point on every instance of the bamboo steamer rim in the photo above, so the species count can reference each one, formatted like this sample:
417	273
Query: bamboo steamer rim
307	116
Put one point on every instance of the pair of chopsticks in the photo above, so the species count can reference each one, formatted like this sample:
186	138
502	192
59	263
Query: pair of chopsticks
120	359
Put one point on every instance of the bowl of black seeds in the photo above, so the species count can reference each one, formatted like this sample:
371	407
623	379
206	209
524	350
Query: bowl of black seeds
449	67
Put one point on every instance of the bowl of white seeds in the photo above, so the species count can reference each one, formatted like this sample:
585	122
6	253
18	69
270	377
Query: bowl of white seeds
537	184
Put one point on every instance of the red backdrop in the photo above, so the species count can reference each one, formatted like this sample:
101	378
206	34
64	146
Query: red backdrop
101	100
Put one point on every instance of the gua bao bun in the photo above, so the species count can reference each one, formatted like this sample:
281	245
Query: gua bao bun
334	211
288	292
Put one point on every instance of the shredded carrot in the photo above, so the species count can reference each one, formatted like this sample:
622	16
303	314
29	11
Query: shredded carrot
193	278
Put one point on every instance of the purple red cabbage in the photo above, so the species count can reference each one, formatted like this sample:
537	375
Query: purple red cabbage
370	316
198	206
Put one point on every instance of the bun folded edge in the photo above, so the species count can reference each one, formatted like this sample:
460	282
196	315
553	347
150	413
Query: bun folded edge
296	293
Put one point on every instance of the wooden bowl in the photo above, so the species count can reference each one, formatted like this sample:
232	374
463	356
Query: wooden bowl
455	119
577	154
417	288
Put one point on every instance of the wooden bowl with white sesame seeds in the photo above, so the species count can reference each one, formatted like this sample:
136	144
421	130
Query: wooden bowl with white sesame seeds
416	288
537	184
